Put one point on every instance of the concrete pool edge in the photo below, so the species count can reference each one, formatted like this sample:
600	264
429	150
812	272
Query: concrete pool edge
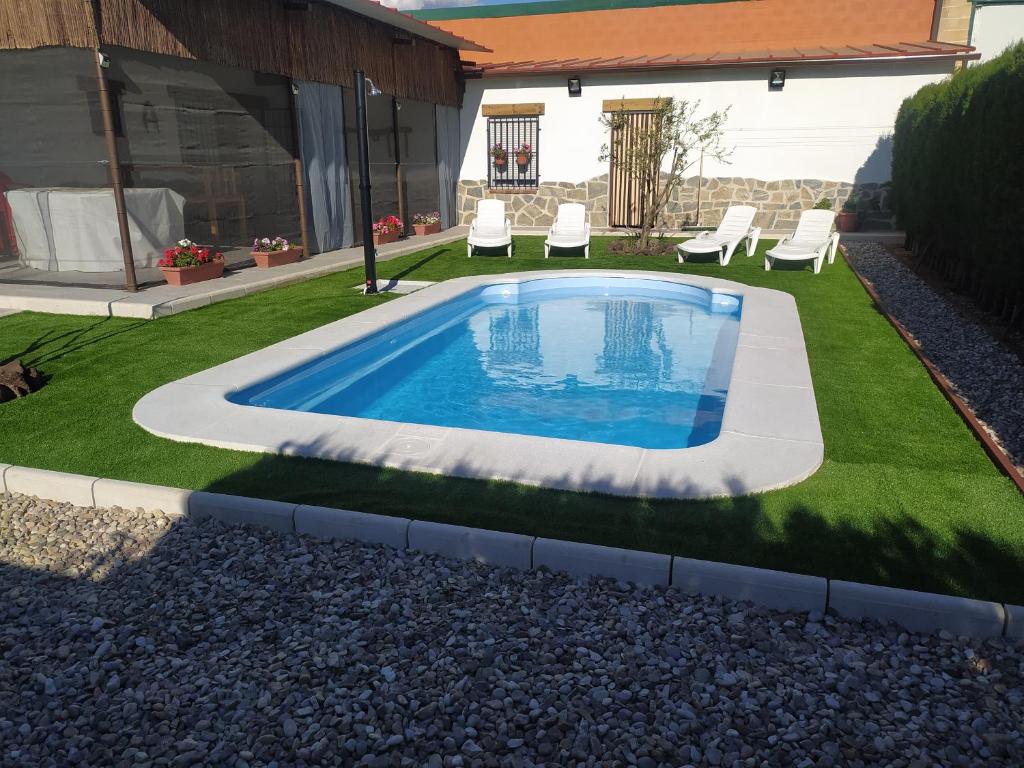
770	435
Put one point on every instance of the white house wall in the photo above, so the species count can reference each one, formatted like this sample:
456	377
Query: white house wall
995	27
826	132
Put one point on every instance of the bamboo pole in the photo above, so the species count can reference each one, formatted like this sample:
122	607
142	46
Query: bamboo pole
113	161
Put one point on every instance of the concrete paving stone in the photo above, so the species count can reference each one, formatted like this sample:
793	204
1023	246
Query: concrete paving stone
330	523
777	366
1014	622
611	562
919	611
764	410
492	547
47	484
275	515
128	495
773	589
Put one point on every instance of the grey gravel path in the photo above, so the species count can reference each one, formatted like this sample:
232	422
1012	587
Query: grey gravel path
989	377
128	638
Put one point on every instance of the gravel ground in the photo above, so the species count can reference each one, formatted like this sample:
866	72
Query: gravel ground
130	638
988	376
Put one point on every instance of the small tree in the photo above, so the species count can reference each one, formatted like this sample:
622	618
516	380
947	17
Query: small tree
656	156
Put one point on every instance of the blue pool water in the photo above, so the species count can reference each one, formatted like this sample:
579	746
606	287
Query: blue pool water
628	361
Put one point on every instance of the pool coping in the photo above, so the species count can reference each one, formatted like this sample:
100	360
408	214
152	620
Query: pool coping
770	436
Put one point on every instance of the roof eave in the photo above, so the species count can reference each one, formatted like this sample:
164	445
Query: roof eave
374	10
568	68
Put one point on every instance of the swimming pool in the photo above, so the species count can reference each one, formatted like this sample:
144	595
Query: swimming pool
635	383
626	361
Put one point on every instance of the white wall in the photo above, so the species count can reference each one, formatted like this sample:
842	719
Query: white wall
830	122
995	27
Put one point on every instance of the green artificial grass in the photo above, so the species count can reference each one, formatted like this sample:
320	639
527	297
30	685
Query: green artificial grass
905	497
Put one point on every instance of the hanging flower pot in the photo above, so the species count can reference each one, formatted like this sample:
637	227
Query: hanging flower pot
500	156
500	163
523	155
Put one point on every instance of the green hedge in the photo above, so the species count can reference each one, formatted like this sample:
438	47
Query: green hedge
958	179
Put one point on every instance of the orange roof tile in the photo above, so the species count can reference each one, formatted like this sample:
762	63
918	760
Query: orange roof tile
703	34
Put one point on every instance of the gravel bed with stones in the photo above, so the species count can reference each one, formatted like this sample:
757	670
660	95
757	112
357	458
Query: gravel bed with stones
987	375
130	638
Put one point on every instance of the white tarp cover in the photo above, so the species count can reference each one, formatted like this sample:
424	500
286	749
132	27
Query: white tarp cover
64	229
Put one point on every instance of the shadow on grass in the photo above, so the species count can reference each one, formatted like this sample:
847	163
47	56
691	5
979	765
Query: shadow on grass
421	263
897	551
54	345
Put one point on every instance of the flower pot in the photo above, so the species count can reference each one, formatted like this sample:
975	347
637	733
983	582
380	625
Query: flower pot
268	259
197	274
500	163
387	237
427	229
522	160
847	221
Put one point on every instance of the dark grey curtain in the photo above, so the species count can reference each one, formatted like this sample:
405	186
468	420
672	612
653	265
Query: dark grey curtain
325	163
448	160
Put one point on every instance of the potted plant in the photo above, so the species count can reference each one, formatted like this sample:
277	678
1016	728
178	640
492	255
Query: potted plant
823	205
523	155
427	223
500	157
188	263
387	230
273	253
848	219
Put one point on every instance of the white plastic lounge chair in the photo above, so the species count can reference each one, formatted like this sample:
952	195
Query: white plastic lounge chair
813	240
490	228
736	225
570	230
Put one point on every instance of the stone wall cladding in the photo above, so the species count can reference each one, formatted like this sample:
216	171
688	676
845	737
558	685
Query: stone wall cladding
779	203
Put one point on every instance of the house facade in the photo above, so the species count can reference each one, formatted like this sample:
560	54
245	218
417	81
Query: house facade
812	91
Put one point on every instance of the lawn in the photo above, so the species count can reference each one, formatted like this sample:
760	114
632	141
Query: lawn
905	497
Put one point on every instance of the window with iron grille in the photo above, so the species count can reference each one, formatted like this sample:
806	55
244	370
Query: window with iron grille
513	148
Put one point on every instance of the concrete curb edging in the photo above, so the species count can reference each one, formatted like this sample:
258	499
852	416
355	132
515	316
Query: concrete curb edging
580	559
778	590
513	550
919	611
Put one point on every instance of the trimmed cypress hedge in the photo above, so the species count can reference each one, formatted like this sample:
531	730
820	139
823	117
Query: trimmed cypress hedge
958	180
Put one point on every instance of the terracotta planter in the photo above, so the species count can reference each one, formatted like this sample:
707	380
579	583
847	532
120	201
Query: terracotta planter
268	259
197	274
847	221
500	164
522	160
387	237
427	229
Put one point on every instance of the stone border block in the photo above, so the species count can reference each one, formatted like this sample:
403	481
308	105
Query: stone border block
330	523
592	560
513	550
47	484
121	493
778	590
276	515
1014	622
918	611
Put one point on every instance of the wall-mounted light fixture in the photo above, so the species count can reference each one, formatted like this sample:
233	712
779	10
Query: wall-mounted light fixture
575	86
371	89
776	79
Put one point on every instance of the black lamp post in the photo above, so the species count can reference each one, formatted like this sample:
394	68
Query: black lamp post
369	252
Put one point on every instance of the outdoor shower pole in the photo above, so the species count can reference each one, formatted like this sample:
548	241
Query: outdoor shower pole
362	142
113	161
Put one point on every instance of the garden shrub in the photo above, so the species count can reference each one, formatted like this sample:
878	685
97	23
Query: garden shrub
958	179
